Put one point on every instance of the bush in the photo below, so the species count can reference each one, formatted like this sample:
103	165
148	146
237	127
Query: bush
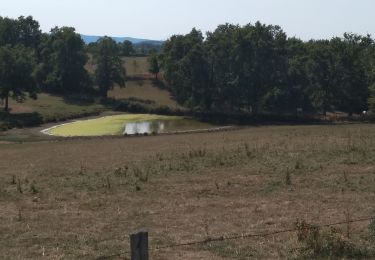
329	244
8	121
133	105
4	126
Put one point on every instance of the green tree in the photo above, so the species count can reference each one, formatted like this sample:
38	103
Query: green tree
262	70
29	33
154	65
195	72
8	31
370	54
16	68
324	74
24	31
63	60
109	70
354	83
126	48
224	81
92	47
175	64
297	95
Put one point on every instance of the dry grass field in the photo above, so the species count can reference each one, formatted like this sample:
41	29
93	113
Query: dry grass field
144	90
81	198
52	106
134	66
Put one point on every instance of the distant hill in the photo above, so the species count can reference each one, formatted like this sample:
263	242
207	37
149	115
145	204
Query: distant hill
91	38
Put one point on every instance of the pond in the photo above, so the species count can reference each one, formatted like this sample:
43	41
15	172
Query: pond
127	124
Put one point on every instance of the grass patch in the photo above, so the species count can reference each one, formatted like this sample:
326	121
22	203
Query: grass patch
55	108
144	91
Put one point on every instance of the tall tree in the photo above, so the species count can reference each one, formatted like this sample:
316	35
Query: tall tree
126	48
195	71
176	49
8	31
322	70
297	80
16	68
354	83
154	65
63	60
370	57
224	82
24	31
29	33
264	48
109	70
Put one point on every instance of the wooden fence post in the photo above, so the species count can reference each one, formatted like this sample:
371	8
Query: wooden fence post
139	246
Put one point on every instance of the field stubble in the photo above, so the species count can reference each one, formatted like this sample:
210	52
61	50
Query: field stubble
81	198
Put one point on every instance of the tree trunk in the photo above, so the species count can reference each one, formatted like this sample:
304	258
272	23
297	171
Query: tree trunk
156	76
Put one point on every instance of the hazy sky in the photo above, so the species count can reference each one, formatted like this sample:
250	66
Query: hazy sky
159	19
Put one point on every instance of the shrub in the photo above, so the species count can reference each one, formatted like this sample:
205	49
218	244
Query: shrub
329	244
20	120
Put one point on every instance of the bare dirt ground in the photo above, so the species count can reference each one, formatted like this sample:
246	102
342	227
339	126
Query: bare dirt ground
82	198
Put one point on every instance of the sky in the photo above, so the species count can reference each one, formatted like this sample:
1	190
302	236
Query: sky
159	19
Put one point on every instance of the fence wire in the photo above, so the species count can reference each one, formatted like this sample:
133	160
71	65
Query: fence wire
241	236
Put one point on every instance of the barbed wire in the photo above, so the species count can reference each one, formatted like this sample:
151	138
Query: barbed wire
241	236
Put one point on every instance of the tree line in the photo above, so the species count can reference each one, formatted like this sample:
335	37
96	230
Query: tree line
257	68
254	68
32	61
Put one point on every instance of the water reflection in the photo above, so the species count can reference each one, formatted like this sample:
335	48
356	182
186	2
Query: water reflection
163	126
